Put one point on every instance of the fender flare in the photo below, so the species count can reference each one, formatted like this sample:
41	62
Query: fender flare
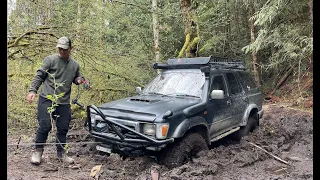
187	124
247	113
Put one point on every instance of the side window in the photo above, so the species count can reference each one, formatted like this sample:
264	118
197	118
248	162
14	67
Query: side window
248	80
218	83
233	84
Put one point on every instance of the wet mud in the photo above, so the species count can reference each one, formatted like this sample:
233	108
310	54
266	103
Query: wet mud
280	148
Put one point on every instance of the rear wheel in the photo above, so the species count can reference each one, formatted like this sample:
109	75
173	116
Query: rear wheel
183	150
245	130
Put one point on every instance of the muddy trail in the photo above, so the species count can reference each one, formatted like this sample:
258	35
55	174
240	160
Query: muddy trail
281	148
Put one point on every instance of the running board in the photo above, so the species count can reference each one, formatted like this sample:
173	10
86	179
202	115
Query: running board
225	134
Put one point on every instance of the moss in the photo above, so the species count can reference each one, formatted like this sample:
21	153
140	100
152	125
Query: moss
186	43
194	42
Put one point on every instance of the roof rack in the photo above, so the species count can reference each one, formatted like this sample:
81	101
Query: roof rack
212	61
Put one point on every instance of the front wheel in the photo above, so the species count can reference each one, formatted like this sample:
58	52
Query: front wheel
183	150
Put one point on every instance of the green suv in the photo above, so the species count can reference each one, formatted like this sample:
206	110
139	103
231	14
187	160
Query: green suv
190	104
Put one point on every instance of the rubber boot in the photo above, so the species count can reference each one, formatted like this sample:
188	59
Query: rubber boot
65	158
36	156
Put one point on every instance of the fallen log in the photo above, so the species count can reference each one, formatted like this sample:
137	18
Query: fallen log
281	81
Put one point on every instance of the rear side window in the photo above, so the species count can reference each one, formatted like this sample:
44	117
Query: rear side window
248	80
233	84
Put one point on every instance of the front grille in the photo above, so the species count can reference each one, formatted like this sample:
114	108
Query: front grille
104	127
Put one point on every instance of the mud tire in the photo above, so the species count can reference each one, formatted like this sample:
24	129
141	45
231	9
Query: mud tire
245	130
183	150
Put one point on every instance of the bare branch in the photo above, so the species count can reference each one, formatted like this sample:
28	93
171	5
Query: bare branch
35	31
277	158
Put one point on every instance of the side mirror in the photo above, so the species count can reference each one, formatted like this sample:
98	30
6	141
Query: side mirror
217	94
138	89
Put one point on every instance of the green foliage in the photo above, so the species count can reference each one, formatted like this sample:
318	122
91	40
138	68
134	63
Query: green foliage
171	29
54	98
109	40
224	28
66	148
285	28
20	113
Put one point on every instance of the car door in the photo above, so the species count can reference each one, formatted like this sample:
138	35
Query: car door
218	109
238	101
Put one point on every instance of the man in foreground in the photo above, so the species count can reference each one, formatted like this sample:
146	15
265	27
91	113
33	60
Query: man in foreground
56	69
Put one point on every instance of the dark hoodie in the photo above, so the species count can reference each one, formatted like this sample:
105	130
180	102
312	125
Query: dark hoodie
56	70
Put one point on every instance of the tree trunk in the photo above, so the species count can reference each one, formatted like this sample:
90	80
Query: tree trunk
103	25
155	30
49	7
310	3
190	47
77	37
254	54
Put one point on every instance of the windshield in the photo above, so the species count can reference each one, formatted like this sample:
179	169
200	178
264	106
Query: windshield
177	82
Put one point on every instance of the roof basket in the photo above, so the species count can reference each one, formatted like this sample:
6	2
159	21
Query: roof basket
197	62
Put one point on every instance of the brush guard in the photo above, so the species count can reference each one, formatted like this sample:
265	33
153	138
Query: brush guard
122	142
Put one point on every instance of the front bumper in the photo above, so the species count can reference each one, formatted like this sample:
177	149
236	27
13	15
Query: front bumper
120	138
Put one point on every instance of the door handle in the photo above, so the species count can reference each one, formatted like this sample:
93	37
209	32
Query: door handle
228	102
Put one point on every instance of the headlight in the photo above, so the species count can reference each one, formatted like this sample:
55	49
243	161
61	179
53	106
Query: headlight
162	130
149	129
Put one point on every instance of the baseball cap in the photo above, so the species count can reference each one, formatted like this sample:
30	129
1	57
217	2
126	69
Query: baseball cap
63	43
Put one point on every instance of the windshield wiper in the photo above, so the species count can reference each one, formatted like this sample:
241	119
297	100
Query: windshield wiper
181	94
154	93
188	95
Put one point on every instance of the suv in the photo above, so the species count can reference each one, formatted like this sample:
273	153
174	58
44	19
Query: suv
190	104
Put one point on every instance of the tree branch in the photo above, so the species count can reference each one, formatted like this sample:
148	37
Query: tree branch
35	31
277	158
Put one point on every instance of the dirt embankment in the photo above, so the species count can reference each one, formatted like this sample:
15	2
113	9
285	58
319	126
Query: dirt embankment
281	148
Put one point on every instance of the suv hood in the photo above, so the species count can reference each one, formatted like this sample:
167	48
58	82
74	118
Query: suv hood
146	107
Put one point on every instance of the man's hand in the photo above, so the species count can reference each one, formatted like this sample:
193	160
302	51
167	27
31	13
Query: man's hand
82	80
30	97
79	81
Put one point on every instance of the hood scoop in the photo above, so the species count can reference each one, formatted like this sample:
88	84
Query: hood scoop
145	100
